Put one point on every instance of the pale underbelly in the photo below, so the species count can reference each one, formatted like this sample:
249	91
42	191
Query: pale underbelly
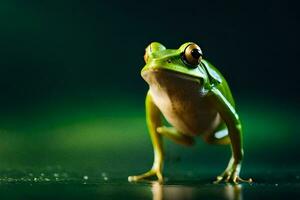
189	113
182	101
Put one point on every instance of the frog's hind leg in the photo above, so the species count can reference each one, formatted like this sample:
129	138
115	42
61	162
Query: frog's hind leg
220	136
176	136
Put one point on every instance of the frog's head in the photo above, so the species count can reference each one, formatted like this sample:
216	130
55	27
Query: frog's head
183	61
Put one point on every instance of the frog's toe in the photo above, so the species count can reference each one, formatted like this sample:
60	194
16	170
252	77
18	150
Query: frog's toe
222	178
238	179
218	179
147	175
231	178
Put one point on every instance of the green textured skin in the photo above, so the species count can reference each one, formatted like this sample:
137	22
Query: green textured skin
214	90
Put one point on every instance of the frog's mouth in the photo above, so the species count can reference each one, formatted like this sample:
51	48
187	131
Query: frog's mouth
161	76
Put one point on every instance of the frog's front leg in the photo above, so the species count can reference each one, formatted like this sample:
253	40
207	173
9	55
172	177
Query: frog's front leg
229	115
153	117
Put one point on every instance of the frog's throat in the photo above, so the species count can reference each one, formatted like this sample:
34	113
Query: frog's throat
160	73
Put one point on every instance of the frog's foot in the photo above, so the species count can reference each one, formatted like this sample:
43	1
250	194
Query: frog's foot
231	178
231	175
149	174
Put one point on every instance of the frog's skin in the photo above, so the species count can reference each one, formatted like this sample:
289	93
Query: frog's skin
195	99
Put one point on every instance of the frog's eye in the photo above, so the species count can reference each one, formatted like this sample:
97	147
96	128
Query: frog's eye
192	55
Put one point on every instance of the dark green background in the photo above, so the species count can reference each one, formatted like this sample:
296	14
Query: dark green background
72	97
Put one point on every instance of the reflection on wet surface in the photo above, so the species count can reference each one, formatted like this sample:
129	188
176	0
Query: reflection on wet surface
57	183
178	192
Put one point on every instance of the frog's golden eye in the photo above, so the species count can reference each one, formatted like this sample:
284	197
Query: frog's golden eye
192	55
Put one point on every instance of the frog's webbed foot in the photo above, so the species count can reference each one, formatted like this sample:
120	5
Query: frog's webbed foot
231	178
231	175
149	174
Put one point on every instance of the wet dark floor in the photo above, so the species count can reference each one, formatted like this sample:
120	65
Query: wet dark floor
89	154
69	185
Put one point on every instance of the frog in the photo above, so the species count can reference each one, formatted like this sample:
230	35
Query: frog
188	97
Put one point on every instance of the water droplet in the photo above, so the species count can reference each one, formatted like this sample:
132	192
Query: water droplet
85	177
104	176
276	184
35	179
56	175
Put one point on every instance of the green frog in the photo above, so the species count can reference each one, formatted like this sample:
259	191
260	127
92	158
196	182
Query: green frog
195	99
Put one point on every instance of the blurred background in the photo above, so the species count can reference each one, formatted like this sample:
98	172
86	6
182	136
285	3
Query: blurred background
72	97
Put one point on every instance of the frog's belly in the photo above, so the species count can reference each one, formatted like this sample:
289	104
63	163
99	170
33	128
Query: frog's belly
183	105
